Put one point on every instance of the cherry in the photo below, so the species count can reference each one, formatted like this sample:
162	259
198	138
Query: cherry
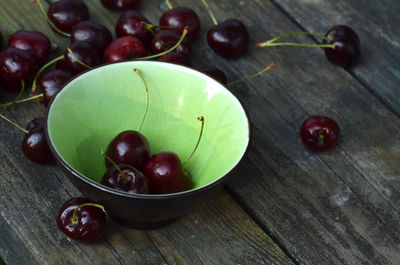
82	57
33	42
82	220
120	5
124	48
52	82
131	23
10	85
215	73
179	18
16	65
347	46
94	33
34	144
176	58
126	178
65	14
319	132
166	39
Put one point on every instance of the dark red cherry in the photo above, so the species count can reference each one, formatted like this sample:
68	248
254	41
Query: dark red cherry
94	33
347	46
52	82
124	48
34	144
17	65
85	53
319	132
229	38
131	181
176	58
130	23
179	18
166	39
129	148
166	174
215	73
33	42
120	5
65	14
90	222
10	85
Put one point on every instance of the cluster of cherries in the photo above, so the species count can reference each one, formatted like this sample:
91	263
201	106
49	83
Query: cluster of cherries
133	170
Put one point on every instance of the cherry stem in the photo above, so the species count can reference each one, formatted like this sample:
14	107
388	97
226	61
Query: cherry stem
252	76
320	136
150	28
6	105
167	51
8	24
41	70
13	123
201	118
76	58
48	20
30	98
168	3
74	218
272	42
214	20
147	97
116	167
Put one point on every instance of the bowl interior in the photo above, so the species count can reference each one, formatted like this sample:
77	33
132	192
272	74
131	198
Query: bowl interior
97	105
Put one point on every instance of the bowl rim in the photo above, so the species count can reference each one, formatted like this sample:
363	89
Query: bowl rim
104	188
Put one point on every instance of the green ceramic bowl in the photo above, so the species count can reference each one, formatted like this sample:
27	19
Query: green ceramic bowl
102	102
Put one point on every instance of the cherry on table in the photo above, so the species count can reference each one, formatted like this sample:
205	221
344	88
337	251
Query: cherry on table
82	220
347	46
120	5
94	33
131	23
124	48
319	132
180	17
34	144
52	82
176	58
65	14
166	39
126	178
33	42
17	64
82	52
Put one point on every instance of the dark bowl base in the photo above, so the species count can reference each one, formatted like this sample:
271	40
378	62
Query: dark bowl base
143	225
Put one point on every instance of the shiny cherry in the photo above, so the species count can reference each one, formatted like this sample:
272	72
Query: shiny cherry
33	42
94	33
17	65
120	5
319	132
89	223
166	174
131	23
229	38
34	144
347	46
65	14
176	58
52	82
179	18
124	48
129	148
131	181
215	73
166	39
85	53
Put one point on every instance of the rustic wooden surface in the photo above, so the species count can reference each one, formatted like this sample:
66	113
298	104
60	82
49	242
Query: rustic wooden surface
284	204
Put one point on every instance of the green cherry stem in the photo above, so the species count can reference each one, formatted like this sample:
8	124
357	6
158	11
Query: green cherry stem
167	51
147	97
214	20
76	58
8	24
49	21
116	167
320	136
201	118
74	218
168	3
272	42
34	83
6	105
252	76
13	123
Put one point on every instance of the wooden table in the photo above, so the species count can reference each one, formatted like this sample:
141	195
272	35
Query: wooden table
284	204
